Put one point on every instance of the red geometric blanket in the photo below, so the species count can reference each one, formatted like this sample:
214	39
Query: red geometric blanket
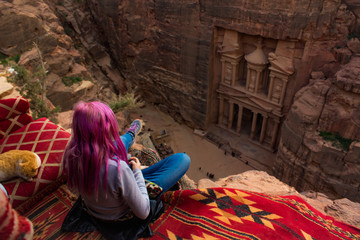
217	213
222	213
49	213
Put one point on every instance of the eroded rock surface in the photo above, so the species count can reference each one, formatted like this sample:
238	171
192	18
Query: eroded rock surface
306	160
23	23
256	181
166	48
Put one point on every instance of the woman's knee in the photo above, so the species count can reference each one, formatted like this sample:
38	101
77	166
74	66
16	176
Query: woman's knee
184	159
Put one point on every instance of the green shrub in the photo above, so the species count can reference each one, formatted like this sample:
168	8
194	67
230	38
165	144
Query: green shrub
6	59
3	59
15	58
3	56
31	88
337	140
128	101
21	77
68	81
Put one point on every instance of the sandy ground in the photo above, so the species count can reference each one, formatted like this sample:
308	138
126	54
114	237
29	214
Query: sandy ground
205	157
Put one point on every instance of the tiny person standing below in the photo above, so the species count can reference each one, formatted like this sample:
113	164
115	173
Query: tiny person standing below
111	186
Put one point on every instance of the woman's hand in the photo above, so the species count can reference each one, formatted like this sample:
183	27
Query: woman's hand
134	163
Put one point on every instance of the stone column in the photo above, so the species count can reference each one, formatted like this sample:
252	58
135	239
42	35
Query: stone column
257	82
271	87
253	125
275	132
238	126
221	110
248	78
283	90
222	70
234	73
231	114
263	128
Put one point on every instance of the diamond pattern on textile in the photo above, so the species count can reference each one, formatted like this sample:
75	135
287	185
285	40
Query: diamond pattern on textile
203	236
14	114
11	107
234	206
187	216
307	236
48	141
10	125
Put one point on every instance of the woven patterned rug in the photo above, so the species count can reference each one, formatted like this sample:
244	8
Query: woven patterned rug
222	213
217	213
48	215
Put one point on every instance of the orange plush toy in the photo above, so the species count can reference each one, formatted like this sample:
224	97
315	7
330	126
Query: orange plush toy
12	225
19	163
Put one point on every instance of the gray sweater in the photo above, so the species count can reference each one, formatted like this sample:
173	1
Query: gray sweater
125	190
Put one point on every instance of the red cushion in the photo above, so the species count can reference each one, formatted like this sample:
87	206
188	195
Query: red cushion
48	141
12	124
11	107
14	114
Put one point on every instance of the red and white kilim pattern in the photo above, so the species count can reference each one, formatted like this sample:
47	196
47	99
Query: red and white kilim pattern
11	107
12	124
14	114
48	141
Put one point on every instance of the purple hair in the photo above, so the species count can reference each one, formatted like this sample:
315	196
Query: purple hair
95	140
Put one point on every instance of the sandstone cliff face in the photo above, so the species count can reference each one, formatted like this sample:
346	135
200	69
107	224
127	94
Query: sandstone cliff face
90	43
166	48
305	160
162	48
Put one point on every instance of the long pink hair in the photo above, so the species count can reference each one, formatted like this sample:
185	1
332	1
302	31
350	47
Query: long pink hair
95	140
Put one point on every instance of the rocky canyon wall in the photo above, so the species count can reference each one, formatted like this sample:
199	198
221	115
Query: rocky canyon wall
169	51
25	22
167	48
307	160
163	49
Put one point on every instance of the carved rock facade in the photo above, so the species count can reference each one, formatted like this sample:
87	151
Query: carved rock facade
254	77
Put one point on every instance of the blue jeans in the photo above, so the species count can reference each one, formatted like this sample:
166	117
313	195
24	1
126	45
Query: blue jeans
165	173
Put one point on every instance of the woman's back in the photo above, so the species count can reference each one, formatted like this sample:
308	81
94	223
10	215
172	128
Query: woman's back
125	190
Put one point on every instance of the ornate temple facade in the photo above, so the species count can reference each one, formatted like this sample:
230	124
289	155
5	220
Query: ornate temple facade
254	76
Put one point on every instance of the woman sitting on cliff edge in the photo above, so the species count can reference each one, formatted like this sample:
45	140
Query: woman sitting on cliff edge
110	185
